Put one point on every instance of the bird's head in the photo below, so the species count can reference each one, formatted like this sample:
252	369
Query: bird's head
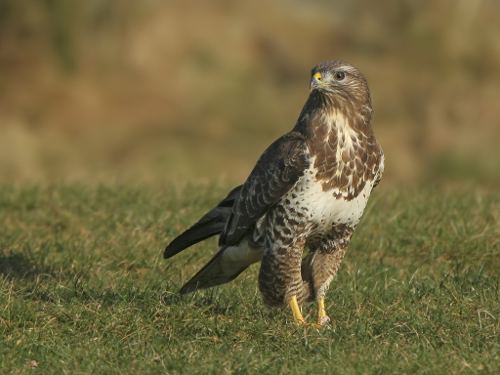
340	80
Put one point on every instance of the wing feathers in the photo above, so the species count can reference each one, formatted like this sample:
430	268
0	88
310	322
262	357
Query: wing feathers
278	169
210	224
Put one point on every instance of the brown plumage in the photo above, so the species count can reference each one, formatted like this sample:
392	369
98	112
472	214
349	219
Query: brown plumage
308	190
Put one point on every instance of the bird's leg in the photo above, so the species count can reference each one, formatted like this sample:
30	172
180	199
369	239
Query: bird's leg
297	314
280	280
322	317
321	265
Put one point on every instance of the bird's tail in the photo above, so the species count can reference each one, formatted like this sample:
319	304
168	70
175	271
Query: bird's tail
225	266
210	224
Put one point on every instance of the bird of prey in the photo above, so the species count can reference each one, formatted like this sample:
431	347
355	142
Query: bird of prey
308	190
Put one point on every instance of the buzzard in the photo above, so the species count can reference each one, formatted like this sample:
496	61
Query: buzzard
307	190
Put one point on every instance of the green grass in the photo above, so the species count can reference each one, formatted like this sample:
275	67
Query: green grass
83	289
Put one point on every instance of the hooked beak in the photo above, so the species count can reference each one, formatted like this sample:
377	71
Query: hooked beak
316	82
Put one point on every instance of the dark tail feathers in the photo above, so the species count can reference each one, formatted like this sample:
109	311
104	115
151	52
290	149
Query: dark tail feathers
210	224
225	266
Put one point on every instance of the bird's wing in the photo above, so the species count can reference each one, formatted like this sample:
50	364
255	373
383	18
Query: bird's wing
212	223
275	173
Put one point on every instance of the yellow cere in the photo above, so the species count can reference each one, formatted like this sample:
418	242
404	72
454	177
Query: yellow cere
317	76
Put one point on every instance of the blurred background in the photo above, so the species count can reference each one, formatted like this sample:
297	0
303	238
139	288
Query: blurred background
161	91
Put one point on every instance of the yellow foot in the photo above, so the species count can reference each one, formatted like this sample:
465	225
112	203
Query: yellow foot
323	319
297	315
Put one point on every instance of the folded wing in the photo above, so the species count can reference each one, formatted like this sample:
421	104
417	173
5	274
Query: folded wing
212	223
275	173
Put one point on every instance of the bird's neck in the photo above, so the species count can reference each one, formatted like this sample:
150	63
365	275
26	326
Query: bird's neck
339	139
324	113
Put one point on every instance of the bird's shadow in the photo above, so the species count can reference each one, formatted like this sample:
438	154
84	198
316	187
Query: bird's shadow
19	266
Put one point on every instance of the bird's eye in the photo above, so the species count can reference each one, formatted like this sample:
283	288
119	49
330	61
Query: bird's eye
339	76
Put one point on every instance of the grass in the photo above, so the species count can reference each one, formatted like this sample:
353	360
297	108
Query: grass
83	289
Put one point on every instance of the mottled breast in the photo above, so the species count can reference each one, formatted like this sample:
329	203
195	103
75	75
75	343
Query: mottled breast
325	208
345	163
